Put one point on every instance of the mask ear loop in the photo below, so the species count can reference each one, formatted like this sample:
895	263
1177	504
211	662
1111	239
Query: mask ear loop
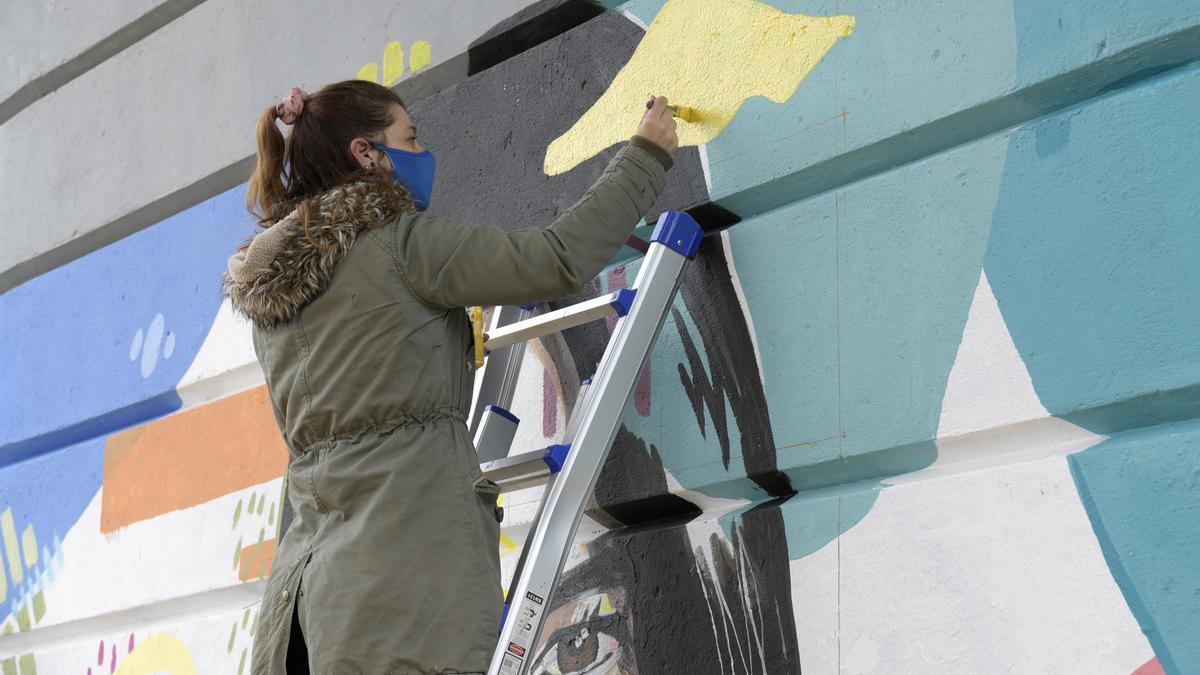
377	163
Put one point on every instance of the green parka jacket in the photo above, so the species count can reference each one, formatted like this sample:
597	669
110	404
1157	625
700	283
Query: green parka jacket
392	559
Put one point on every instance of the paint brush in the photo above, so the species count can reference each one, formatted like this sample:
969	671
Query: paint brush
683	112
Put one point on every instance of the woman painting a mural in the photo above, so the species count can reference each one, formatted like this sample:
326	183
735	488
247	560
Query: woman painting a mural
356	294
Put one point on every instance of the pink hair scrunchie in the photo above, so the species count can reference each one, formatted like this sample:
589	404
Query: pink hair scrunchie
291	105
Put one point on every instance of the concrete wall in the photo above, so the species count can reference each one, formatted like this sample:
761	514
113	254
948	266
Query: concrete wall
927	401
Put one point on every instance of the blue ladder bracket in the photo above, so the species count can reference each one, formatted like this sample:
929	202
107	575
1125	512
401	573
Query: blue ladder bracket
529	307
623	301
503	413
555	456
679	232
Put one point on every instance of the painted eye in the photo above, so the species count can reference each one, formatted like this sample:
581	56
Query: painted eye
587	638
581	651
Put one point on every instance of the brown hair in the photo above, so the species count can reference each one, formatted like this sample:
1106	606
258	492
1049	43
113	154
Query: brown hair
315	157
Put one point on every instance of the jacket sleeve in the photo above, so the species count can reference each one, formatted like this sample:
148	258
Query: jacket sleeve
448	264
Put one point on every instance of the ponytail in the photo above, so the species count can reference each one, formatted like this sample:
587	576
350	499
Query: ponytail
266	193
316	152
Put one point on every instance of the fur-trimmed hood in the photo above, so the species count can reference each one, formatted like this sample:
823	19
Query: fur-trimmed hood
278	271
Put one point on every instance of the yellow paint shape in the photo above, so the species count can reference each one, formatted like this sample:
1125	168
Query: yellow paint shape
159	654
711	56
29	546
393	62
9	531
419	55
369	72
507	544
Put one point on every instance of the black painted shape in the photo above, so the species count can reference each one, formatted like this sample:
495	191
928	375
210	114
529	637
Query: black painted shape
632	480
674	613
528	28
713	218
708	293
490	132
632	487
664	620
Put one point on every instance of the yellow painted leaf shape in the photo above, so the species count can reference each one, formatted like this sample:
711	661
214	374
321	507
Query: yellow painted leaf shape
159	653
369	72
710	55
393	62
419	55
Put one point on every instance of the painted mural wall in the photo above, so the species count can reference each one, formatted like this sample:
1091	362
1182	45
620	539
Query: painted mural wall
927	401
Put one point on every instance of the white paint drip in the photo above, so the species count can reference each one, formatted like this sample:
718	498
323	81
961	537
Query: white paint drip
745	579
711	617
702	534
989	385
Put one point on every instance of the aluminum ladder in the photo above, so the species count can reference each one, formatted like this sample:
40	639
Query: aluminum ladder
569	469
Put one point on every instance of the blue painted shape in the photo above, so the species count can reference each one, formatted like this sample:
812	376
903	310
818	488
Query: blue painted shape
556	456
679	232
530	307
503	616
1140	492
623	301
1093	250
503	413
812	521
49	492
101	343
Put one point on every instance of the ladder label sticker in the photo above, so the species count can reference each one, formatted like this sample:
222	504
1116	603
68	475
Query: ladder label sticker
510	665
528	620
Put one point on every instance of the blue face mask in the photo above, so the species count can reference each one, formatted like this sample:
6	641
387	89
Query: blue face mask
415	170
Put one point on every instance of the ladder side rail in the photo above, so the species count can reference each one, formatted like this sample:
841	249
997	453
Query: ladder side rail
522	482
612	388
492	381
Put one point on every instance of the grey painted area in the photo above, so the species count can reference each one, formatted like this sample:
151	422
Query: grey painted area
490	132
176	111
110	45
37	37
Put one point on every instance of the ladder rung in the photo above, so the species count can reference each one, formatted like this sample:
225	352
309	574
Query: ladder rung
525	469
568	317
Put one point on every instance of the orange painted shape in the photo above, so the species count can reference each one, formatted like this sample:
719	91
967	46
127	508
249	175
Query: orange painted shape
190	458
256	560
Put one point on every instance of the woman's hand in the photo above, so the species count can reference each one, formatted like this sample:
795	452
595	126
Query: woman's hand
658	125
